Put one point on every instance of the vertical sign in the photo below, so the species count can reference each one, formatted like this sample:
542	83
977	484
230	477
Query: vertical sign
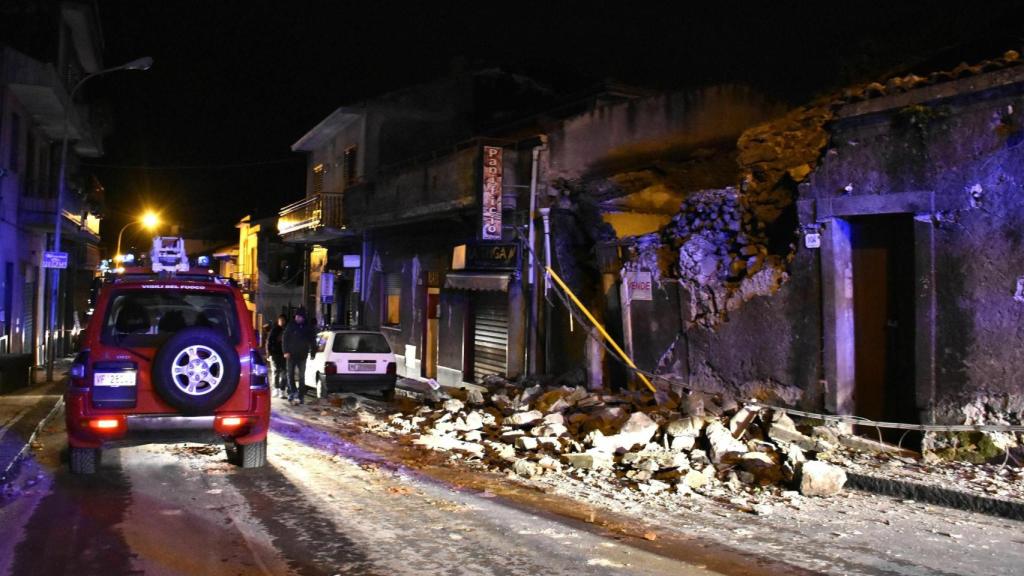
492	194
327	288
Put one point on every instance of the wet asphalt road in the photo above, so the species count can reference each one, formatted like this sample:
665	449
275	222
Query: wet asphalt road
182	509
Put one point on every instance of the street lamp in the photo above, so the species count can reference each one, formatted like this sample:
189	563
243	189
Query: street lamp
143	63
149	221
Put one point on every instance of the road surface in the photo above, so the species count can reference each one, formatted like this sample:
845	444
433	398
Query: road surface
182	509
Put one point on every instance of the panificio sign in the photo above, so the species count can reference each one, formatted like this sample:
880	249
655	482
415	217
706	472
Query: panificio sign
638	285
55	260
491	193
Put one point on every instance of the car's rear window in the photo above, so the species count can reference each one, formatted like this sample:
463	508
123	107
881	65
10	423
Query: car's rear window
147	318
363	342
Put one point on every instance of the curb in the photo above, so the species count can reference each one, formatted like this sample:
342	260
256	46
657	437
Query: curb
1011	509
31	438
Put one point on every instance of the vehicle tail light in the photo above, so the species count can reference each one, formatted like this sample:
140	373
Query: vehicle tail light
230	424
78	370
392	369
330	368
258	370
105	424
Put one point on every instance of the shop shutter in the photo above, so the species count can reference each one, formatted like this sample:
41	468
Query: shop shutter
490	330
28	309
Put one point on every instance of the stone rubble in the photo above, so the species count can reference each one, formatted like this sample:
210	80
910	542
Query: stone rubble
711	446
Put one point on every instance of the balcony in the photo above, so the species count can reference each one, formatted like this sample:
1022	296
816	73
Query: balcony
78	223
437	185
40	90
317	218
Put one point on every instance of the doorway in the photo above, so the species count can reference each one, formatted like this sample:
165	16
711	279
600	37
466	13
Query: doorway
882	258
431	319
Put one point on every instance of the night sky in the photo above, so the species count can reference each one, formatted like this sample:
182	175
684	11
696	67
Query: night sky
205	135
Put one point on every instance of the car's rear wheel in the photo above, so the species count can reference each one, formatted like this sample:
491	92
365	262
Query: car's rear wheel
252	455
83	460
196	371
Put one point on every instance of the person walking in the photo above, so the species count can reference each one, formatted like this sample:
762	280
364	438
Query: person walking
275	351
299	344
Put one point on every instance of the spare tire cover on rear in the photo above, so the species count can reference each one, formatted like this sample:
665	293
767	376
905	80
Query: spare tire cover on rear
196	370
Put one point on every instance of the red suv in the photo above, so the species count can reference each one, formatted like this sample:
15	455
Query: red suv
168	359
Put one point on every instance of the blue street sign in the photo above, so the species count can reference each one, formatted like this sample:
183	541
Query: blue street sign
55	259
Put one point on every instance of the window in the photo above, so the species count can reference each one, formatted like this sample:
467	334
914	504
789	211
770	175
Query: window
148	318
31	178
349	164
318	179
15	143
392	299
361	342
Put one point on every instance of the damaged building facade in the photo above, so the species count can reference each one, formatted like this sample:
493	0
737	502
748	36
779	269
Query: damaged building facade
918	204
865	260
857	255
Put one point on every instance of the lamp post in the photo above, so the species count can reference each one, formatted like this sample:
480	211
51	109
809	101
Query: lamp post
149	221
143	63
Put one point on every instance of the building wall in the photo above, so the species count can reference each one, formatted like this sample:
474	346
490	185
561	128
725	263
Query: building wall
612	138
954	163
20	247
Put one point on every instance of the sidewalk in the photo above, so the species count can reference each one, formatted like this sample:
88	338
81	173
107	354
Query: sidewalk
23	413
991	489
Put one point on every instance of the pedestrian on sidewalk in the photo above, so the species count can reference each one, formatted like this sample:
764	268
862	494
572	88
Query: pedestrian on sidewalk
299	343
275	351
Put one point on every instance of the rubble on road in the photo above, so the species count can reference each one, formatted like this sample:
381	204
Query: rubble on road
707	445
561	443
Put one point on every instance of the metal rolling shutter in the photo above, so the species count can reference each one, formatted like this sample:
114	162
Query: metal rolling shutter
490	341
28	310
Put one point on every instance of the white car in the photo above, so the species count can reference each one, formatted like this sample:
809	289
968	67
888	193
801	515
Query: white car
352	361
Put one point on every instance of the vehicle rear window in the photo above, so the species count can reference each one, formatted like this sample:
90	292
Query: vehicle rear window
147	318
364	342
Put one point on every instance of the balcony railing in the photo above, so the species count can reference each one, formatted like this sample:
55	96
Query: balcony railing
432	185
313	213
38	212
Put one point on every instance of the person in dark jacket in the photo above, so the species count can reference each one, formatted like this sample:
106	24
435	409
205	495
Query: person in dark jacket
299	343
275	351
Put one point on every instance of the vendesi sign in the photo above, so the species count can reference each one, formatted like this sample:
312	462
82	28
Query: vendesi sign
637	285
55	260
491	198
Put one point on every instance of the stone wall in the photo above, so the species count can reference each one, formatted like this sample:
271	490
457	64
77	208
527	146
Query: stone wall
952	158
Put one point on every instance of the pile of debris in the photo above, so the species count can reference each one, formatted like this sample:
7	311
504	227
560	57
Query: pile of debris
694	444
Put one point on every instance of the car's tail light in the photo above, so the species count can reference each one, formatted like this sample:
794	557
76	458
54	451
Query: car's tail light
392	369
230	425
79	368
330	368
258	370
105	424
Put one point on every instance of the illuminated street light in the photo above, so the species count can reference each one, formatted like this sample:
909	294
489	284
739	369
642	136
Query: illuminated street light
150	221
143	63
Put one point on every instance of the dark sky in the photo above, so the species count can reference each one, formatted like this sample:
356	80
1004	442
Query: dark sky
205	134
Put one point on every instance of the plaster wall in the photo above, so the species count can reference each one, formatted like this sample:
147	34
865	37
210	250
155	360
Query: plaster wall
957	165
610	138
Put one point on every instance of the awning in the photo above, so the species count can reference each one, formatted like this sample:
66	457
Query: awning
477	281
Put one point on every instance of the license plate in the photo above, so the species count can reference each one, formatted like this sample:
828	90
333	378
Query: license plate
115	379
362	366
